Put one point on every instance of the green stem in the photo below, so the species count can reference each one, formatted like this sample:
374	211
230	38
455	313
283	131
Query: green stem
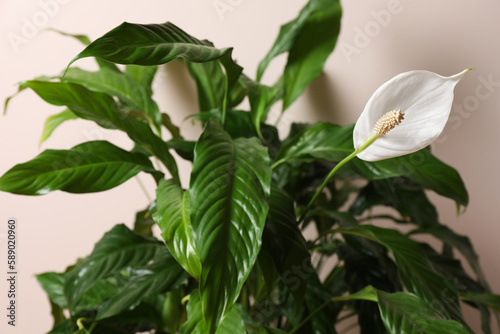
360	149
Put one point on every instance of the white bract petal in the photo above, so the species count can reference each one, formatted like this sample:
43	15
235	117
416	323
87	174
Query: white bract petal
425	98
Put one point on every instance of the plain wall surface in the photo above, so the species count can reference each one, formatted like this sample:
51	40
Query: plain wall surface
378	40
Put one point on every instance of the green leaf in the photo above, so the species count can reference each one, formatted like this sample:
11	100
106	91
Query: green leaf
196	324
261	99
230	185
143	75
163	274
172	309
490	300
88	167
460	242
184	148
309	39
312	45
167	123
417	274
173	218
288	34
333	143
54	121
20	88
118	249
401	193
53	284
102	109
145	318
155	44
81	38
404	312
210	79
100	291
134	95
149	44
284	241
64	327
144	221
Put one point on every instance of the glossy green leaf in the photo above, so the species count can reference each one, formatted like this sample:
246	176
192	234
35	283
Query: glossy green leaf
173	218
230	185
119	248
404	312
134	95
196	324
160	275
284	241
101	290
149	44
54	121
88	167
333	143
313	44
102	109
417	273
53	284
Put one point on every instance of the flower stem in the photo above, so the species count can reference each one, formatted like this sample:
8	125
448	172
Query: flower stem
360	149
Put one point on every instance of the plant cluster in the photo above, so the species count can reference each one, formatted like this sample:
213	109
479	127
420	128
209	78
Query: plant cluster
234	257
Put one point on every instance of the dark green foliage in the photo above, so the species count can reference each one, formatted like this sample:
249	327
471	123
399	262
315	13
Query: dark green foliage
235	258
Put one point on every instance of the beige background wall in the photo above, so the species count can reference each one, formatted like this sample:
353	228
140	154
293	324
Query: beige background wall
379	39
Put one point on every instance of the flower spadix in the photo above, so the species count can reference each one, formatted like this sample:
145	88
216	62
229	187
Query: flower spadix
405	114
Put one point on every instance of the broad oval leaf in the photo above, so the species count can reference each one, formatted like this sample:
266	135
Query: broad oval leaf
162	274
404	312
230	185
88	167
173	218
118	249
149	44
333	143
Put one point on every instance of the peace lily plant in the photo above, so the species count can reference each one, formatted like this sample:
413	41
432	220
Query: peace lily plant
232	256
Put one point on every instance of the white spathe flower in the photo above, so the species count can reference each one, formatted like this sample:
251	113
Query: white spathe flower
420	102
